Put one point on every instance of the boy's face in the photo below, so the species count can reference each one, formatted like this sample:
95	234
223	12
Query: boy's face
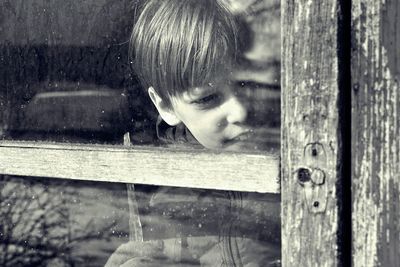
215	114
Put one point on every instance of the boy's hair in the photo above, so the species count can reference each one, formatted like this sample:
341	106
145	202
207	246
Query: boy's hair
179	44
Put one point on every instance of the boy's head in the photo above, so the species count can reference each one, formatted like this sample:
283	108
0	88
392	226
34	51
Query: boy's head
185	52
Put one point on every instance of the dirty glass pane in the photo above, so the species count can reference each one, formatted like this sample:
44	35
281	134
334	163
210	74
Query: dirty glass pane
55	222
63	74
66	75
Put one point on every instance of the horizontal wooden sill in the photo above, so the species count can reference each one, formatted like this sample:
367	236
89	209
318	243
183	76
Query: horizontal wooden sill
142	165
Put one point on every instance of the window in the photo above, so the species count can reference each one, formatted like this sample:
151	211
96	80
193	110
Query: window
331	89
68	99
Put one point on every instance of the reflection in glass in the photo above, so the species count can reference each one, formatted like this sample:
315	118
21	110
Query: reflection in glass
208	227
54	222
64	74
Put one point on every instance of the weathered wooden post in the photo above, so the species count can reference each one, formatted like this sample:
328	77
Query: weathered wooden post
310	133
376	132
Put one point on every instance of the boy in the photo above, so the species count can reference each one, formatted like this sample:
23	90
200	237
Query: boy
185	53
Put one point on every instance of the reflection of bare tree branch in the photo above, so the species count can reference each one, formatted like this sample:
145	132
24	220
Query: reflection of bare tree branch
36	226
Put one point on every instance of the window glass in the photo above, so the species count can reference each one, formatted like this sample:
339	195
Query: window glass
66	75
64	70
56	222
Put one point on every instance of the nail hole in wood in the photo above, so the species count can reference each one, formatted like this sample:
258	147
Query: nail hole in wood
314	152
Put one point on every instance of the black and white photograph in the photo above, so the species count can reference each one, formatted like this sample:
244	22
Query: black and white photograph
182	133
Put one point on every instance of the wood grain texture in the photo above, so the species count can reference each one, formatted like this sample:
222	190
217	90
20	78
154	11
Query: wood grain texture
376	131
310	117
155	166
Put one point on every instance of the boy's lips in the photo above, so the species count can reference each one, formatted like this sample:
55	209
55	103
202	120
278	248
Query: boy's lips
243	136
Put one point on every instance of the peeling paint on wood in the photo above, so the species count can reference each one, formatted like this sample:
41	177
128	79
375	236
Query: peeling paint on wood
376	131
310	116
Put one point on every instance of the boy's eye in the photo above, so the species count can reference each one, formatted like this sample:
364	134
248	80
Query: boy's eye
208	101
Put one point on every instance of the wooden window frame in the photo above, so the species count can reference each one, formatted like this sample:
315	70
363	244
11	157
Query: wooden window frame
142	165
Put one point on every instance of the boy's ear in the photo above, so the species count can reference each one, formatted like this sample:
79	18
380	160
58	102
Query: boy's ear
166	113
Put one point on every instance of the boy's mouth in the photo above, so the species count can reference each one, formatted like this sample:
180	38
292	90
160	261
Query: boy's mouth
244	136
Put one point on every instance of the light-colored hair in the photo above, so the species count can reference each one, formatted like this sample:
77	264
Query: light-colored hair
179	44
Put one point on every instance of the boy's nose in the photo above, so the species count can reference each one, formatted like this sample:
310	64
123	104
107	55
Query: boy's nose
237	112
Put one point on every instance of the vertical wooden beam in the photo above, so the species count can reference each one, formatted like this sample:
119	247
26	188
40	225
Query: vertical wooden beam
376	132
310	133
